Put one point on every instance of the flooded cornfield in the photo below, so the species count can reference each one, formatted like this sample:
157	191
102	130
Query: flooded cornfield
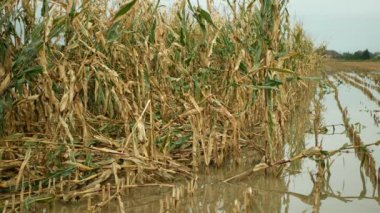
134	106
344	178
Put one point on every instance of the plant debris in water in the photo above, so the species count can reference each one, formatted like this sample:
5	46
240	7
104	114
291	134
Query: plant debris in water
96	97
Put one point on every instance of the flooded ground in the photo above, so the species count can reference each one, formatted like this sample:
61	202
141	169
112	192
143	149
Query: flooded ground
345	182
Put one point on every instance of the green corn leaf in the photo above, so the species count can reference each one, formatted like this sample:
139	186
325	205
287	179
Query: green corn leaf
152	36
45	8
243	67
124	9
273	82
157	5
39	199
206	16
297	78
177	144
58	26
113	33
201	24
62	172
325	153
190	6
30	72
266	87
282	70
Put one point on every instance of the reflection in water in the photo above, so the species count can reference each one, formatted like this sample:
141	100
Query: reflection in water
346	182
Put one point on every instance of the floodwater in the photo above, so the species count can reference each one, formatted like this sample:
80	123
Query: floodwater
350	184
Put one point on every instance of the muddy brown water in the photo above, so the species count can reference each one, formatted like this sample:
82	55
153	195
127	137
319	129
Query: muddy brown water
349	185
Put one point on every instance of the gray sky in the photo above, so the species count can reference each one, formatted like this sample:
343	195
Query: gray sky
344	25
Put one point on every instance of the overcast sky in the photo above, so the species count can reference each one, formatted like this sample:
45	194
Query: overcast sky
343	25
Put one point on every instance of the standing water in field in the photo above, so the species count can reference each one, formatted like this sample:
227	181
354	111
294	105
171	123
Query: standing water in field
347	181
128	107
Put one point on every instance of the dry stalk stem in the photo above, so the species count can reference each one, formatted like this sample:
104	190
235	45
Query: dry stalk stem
91	93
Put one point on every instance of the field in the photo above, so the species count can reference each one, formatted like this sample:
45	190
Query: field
102	101
361	66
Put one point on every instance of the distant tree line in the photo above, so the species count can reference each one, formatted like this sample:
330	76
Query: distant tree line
358	55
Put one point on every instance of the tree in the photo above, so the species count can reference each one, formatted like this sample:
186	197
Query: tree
366	55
